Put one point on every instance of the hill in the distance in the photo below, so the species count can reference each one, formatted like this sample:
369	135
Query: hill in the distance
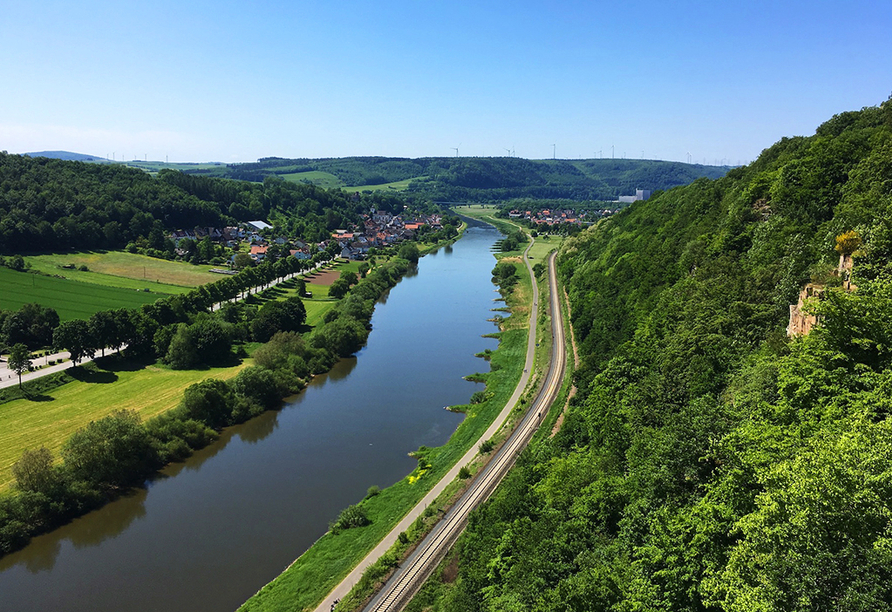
460	179
451	179
66	155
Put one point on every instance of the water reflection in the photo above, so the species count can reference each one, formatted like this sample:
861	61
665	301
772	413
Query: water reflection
41	553
259	428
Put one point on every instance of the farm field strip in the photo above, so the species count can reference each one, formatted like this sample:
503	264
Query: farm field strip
128	270
70	298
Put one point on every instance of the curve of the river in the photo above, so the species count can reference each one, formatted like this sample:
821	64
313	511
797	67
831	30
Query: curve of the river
211	531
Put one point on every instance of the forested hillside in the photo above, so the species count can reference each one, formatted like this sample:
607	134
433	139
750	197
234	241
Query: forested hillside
483	179
55	205
709	462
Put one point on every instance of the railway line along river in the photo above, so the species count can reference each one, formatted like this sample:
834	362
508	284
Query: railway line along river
209	532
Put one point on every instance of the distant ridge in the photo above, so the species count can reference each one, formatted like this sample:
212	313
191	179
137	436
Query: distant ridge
66	155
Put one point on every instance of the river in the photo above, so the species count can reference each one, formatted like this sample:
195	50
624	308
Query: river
209	532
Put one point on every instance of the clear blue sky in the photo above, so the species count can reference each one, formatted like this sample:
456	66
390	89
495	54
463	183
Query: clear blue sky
233	81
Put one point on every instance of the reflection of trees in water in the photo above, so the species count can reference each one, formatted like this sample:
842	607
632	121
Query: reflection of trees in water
342	369
89	530
39	556
382	299
259	427
108	521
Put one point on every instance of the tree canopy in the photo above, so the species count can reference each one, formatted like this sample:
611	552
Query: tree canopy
709	461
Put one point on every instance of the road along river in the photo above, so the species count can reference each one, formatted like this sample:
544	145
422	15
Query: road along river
211	531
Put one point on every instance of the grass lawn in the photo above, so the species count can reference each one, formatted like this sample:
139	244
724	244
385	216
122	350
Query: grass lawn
71	299
126	270
51	419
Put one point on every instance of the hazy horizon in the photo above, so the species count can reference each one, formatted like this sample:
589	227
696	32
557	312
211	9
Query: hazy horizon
207	81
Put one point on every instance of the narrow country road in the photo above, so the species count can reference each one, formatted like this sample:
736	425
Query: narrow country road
415	570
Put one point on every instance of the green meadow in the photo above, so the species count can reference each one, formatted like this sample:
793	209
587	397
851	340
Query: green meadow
125	270
316	177
394	186
71	299
93	393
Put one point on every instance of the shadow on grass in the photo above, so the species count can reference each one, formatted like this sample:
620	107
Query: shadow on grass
119	363
92	376
37	397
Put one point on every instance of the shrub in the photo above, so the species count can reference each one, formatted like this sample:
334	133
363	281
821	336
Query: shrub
351	516
486	446
209	401
478	397
113	451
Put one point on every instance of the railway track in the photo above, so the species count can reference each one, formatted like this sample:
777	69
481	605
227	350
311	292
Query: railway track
416	569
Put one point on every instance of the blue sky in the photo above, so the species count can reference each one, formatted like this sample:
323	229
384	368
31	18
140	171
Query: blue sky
234	81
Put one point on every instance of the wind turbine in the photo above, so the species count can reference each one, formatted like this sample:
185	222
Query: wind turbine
455	149
553	151
509	152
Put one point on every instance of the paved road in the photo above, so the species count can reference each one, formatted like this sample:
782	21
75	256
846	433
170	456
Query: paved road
415	570
8	378
353	577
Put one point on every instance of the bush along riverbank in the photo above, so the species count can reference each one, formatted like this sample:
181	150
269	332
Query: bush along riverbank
315	573
118	452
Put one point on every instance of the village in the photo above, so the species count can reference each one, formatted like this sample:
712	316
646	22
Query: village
560	217
257	239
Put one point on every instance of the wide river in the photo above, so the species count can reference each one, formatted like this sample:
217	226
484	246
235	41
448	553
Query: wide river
210	532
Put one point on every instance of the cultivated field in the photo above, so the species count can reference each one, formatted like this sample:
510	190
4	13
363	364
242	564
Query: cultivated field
27	424
70	298
316	177
126	270
395	186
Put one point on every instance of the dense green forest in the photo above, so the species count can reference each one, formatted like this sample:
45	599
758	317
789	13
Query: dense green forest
485	179
709	462
56	205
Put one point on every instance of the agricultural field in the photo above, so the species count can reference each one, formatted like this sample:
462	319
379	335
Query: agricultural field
50	420
394	186
325	180
125	270
71	299
153	167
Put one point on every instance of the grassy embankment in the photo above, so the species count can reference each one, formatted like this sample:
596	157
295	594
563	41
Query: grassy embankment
312	576
442	580
442	577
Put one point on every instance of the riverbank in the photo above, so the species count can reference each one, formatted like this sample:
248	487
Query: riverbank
307	467
315	573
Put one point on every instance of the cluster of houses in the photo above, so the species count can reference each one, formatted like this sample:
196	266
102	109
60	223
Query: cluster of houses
379	229
551	217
